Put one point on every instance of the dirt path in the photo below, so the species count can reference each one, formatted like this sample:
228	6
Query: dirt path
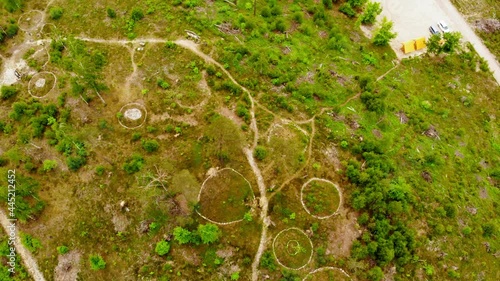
26	257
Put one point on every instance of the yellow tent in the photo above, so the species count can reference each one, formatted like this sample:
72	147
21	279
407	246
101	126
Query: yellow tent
420	43
409	46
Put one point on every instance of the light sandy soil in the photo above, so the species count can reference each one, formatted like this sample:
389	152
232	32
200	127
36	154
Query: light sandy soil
412	20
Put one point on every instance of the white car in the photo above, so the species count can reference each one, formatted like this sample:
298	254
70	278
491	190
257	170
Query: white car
444	27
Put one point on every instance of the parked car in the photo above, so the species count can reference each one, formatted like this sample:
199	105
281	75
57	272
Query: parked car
444	27
434	29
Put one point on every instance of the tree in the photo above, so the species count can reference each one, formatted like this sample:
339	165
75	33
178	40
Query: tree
162	248
97	262
182	235
384	34
372	10
209	233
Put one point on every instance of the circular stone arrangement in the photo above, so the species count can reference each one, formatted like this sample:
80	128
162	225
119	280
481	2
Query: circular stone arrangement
292	248
225	197
320	198
132	115
29	21
41	84
327	274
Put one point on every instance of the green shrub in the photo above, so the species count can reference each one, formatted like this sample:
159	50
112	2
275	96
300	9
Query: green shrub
62	250
136	136
235	276
267	261
111	13
489	229
55	12
97	262
162	248
266	12
12	5
209	233
75	162
137	14
260	153
375	274
99	170
150	145
328	4
133	164
347	9
11	30
31	243
163	84
8	92
183	236
49	165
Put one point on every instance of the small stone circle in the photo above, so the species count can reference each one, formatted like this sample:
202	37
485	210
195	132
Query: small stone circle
133	112
29	21
37	82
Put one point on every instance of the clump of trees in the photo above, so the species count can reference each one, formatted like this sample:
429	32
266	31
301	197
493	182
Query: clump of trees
444	43
385	203
370	13
205	234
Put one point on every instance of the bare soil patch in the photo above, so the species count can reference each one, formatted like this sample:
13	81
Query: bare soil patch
67	267
341	238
